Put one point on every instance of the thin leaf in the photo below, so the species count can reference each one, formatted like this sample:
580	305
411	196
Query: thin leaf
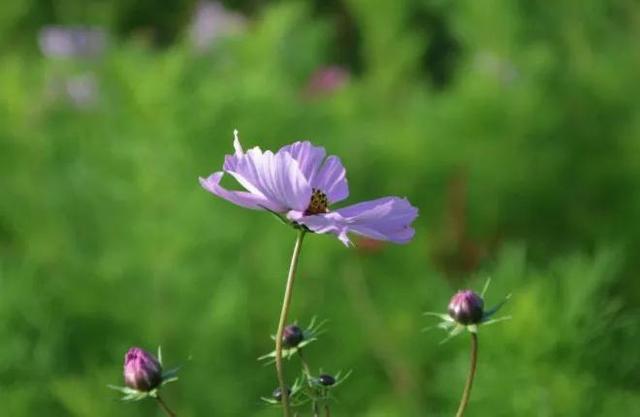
498	320
444	317
495	309
453	333
486	287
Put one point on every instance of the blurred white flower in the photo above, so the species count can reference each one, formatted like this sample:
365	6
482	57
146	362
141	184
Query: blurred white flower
496	66
211	21
82	90
71	41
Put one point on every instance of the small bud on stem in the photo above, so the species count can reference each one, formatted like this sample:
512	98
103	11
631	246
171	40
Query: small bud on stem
142	371
292	335
466	307
277	393
326	380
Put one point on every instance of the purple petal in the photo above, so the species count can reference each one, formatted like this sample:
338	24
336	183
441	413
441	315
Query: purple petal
276	178
323	223
280	180
325	175
241	198
387	218
242	167
309	157
332	180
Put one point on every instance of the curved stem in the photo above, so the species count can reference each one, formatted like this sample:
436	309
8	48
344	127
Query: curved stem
472	372
164	407
286	302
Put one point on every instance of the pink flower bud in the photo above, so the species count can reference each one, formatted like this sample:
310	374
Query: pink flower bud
292	335
466	307
142	371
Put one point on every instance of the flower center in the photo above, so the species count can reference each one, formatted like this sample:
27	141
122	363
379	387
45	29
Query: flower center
319	203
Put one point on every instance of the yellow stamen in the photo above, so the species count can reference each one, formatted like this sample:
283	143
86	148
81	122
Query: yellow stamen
319	203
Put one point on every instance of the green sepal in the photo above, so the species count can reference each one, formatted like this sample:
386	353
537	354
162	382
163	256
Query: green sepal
295	399
131	394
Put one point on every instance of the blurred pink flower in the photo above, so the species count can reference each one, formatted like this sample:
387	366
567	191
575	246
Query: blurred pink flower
368	246
327	80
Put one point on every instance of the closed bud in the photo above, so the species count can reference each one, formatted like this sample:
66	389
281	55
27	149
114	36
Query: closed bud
466	307
292	335
326	380
277	394
142	371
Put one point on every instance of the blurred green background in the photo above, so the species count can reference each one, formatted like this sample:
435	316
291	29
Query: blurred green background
514	126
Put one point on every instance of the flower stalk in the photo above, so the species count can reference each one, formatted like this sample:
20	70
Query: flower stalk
164	407
286	303
472	372
466	312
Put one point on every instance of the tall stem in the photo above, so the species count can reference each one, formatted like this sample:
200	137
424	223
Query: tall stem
164	407
472	372
286	302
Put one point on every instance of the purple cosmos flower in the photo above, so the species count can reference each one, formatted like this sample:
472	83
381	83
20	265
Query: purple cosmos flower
301	182
142	371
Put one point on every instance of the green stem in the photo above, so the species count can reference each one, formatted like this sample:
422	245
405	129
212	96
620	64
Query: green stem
286	302
305	365
472	372
164	407
307	371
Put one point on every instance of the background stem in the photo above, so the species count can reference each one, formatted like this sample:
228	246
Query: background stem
472	372
286	302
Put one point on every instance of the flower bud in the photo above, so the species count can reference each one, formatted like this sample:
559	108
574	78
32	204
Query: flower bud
466	307
277	394
142	371
326	380
292	335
